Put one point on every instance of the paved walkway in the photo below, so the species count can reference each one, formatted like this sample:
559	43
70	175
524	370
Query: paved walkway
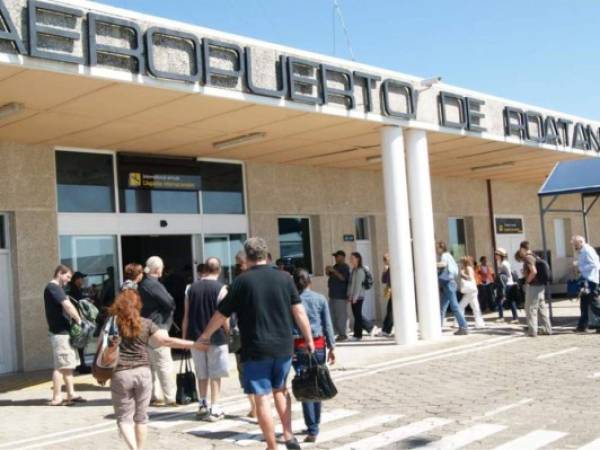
492	389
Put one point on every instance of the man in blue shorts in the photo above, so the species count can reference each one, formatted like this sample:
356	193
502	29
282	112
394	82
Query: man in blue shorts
266	303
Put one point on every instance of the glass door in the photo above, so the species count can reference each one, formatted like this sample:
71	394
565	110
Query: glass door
224	247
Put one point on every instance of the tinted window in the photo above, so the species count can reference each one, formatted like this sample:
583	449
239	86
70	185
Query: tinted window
294	242
457	243
159	185
85	182
222	188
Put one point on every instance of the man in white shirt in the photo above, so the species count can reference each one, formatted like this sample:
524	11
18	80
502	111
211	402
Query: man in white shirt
588	264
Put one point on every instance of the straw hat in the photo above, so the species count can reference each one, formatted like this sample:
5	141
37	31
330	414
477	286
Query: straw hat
501	251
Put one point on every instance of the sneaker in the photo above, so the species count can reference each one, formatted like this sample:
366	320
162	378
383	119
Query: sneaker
157	403
461	332
384	334
374	331
292	444
202	412
355	339
215	417
341	338
515	321
500	320
310	438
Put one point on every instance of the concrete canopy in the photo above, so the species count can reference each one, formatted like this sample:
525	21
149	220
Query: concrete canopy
104	107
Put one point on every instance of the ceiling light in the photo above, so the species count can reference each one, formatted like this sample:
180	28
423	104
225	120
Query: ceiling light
239	140
374	159
10	109
493	166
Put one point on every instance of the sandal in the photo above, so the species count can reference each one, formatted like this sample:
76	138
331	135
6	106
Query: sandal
77	399
53	403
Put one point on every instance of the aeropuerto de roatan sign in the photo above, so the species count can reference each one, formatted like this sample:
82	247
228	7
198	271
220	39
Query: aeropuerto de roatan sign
298	79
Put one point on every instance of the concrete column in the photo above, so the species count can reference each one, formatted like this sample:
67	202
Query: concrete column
419	183
398	226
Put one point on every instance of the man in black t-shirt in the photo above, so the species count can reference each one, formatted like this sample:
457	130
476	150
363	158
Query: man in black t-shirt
267	305
59	312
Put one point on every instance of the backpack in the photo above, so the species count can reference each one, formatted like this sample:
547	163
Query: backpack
368	281
544	274
82	333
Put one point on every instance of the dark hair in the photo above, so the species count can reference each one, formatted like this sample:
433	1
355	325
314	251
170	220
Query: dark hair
518	256
61	269
132	271
256	249
442	246
525	245
301	279
213	265
483	258
359	257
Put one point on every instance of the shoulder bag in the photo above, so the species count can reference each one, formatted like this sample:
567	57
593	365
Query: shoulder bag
107	353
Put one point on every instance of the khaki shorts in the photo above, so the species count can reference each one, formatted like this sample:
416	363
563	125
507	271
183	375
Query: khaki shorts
64	355
213	363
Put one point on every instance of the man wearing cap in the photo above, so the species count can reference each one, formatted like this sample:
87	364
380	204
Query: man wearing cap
75	290
339	274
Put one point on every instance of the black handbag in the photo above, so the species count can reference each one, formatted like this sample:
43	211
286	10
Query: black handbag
186	382
313	383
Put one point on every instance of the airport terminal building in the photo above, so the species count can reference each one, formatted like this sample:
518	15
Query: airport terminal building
124	135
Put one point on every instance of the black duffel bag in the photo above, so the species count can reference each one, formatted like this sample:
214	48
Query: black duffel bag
186	382
313	383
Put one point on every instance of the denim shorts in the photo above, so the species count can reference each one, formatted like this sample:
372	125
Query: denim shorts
263	376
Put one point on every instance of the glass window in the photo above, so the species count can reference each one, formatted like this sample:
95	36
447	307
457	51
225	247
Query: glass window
222	188
457	242
158	185
224	247
3	233
85	182
95	256
361	226
294	242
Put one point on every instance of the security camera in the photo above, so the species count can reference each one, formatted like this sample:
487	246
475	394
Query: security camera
429	82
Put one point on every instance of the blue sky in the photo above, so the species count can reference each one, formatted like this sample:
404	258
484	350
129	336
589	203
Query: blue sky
542	52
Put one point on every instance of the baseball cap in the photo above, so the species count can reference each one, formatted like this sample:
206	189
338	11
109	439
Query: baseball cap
78	274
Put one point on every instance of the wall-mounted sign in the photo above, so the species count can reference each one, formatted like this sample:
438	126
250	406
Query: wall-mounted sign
348	238
139	180
509	225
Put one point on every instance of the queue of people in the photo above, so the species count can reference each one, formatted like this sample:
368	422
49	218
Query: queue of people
280	322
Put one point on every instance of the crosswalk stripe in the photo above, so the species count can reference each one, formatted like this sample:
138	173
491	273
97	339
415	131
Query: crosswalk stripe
594	445
227	424
349	429
245	439
188	417
532	441
395	435
464	437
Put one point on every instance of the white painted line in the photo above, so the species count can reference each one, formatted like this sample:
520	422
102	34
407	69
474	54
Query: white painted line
417	359
347	430
532	441
502	409
245	439
594	375
219	427
594	445
562	352
435	358
60	433
395	435
164	423
58	441
465	437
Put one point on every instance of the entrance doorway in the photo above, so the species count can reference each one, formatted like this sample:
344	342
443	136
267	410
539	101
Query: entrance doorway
176	252
7	335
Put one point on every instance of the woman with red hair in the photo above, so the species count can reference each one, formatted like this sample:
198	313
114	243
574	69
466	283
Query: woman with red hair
131	382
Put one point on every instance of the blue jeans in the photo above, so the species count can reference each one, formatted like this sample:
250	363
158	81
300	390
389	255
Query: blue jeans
449	299
310	410
584	305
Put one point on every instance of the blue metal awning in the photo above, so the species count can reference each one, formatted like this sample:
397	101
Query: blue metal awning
573	177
